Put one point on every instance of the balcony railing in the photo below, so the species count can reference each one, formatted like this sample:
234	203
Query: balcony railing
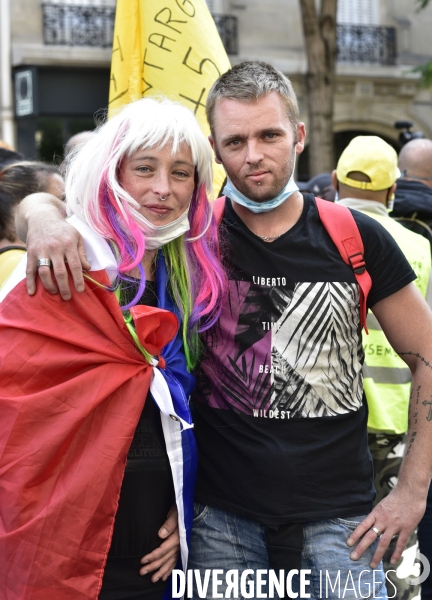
366	44
74	25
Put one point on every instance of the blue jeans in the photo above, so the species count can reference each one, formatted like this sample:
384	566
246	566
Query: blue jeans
222	540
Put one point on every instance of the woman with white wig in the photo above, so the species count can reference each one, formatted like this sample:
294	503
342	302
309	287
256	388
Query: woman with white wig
96	441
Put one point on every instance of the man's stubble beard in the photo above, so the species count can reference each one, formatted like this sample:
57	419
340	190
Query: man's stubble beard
255	192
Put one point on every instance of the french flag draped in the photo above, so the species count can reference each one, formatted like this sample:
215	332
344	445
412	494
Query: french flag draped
72	388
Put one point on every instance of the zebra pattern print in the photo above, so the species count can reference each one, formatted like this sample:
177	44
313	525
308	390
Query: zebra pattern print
315	351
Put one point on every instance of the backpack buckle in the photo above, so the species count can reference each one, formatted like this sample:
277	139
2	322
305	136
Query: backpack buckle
357	263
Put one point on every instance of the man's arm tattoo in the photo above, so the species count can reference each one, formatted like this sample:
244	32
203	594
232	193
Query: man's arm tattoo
417	355
425	402
429	415
413	417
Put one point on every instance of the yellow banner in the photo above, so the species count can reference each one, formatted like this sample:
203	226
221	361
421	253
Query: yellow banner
168	47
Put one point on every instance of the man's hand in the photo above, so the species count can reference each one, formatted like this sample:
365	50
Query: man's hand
164	559
407	323
396	515
40	222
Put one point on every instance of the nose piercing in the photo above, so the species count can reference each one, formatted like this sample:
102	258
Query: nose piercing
163	199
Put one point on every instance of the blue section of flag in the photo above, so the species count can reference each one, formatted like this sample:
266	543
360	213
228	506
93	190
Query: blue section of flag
181	384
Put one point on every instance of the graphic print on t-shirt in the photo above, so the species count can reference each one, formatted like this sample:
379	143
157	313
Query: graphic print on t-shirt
294	353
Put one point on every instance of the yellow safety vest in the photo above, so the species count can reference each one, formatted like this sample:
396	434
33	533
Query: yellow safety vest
8	262
387	379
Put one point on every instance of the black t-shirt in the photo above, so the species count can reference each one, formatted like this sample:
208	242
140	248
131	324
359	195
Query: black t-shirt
146	496
280	415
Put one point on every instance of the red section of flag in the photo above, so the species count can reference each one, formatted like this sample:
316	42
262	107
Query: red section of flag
72	388
145	327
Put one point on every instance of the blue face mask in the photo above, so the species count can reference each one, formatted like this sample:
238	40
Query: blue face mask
258	207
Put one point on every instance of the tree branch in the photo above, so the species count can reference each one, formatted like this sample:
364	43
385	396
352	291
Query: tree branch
422	4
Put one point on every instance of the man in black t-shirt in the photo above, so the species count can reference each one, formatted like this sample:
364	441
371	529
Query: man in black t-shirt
280	415
285	475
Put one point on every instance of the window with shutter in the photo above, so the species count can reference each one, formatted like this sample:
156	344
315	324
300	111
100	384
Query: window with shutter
358	12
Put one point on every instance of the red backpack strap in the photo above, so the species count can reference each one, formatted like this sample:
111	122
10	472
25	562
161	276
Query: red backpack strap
219	209
342	228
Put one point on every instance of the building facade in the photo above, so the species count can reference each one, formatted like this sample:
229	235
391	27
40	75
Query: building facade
60	58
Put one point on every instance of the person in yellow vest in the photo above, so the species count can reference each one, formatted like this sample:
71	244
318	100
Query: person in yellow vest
365	180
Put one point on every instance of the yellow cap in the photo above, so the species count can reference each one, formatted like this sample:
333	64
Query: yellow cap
372	156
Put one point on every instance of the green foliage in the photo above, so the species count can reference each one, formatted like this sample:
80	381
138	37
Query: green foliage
425	71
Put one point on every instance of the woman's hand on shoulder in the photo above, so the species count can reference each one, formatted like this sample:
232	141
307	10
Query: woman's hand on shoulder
164	558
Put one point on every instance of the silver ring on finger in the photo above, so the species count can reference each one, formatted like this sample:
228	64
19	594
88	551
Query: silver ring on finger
377	531
44	262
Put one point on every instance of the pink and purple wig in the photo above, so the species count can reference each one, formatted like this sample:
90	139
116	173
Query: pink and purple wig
94	194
